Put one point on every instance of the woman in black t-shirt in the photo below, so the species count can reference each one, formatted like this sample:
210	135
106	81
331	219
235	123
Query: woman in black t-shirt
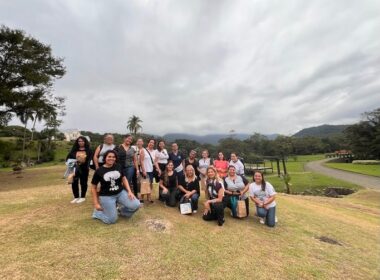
114	189
82	153
189	187
168	185
193	161
214	207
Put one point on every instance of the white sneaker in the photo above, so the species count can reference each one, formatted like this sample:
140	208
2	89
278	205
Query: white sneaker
195	211
262	221
74	200
275	219
80	200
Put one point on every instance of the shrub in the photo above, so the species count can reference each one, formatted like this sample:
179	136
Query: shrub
366	162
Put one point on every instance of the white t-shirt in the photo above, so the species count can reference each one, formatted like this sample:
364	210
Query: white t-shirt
239	167
162	156
255	191
148	165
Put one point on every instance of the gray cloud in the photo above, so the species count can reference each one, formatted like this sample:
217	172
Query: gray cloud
209	66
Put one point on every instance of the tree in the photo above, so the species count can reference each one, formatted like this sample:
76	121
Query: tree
364	137
134	124
27	72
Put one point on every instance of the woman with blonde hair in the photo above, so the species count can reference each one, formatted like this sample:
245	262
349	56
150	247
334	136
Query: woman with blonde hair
189	187
214	207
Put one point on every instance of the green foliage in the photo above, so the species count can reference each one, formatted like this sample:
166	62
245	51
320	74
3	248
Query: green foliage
27	72
134	125
364	137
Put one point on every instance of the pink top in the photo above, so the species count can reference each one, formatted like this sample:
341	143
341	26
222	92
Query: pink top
222	167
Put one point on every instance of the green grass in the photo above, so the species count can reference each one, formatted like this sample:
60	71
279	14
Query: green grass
373	170
46	237
308	182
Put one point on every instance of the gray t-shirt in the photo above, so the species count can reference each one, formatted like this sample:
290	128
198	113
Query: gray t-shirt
255	191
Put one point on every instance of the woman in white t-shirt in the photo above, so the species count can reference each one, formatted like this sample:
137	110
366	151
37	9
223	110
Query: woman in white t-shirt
203	164
263	195
162	155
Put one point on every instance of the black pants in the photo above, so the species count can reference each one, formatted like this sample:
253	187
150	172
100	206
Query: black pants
81	175
227	203
135	186
216	213
170	197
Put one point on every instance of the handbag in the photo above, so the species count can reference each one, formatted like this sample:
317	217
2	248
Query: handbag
145	186
185	207
155	172
241	210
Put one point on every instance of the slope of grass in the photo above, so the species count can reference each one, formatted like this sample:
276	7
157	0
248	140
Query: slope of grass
46	237
373	170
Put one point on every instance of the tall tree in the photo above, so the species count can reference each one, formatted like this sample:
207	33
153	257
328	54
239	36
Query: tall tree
364	137
133	124
27	72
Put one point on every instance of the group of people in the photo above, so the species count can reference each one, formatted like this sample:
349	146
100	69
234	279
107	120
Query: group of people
115	185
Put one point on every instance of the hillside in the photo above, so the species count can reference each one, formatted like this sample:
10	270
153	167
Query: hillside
209	138
322	131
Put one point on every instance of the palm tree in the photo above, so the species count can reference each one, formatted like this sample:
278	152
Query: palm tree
134	124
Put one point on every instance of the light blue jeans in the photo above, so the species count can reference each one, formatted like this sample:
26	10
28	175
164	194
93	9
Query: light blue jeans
108	203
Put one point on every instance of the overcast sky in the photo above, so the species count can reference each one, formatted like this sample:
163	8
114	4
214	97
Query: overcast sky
209	66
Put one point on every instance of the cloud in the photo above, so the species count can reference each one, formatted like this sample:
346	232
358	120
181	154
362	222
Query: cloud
209	66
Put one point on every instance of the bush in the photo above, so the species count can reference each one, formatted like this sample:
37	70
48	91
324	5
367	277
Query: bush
47	156
366	162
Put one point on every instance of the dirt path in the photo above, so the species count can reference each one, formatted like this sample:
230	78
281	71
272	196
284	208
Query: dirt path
355	178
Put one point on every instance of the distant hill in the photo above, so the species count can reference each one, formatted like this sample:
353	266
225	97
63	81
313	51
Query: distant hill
321	131
209	138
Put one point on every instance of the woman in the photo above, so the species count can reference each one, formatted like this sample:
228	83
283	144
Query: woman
214	208
221	165
263	195
126	155
191	160
189	187
239	166
82	153
168	185
236	188
108	145
162	155
203	164
111	179
148	162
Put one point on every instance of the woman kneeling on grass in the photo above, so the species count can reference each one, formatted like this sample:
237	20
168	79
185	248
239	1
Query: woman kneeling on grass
263	195
169	185
189	187
214	207
111	179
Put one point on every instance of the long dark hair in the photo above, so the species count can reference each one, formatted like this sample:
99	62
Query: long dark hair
158	145
166	175
75	147
263	184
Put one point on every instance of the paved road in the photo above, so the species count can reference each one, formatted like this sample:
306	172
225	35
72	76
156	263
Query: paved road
359	179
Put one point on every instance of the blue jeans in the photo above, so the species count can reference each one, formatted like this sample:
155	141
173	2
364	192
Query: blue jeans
108	203
268	214
129	172
193	199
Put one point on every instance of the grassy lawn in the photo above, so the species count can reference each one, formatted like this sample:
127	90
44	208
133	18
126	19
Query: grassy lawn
46	237
373	170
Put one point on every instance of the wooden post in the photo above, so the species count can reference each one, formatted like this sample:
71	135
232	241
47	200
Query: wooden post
278	167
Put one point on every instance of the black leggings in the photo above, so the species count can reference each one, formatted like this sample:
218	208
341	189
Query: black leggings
170	197
81	175
216	213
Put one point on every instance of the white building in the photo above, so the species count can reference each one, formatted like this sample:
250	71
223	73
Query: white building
71	134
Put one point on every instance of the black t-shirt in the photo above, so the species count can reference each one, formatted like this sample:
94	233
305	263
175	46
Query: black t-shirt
213	188
171	182
195	165
194	185
110	179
